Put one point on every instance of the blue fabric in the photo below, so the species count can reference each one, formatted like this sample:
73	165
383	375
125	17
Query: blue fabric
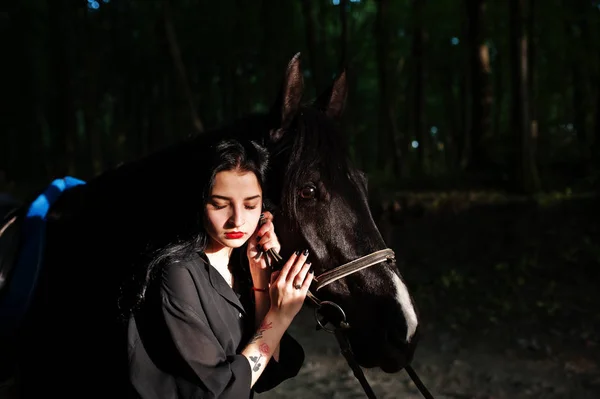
29	262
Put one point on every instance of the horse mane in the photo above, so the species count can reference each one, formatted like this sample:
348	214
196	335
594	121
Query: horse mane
314	142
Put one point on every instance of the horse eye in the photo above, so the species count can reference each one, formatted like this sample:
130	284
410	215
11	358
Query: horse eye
308	192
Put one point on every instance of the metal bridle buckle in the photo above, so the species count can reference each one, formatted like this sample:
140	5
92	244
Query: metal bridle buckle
323	322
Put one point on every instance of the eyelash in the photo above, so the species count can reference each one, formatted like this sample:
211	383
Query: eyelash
247	207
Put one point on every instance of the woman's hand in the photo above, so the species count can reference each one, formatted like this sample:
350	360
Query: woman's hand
289	286
262	240
287	292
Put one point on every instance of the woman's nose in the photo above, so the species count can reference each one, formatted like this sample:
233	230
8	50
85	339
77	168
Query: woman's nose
237	217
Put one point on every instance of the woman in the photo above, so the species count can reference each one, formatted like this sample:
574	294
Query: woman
213	320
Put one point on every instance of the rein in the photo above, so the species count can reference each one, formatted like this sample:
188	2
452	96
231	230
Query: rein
328	277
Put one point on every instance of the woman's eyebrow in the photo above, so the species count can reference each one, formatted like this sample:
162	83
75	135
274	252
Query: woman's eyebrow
216	196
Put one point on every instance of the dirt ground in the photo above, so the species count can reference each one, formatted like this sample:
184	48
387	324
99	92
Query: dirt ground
451	366
508	296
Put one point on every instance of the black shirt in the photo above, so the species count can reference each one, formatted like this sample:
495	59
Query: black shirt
185	341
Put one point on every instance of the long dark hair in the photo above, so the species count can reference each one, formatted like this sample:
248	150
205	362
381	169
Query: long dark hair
227	154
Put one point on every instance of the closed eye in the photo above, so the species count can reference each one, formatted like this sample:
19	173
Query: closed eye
252	204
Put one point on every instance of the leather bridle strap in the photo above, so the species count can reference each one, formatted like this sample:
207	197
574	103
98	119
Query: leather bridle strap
349	356
360	376
417	381
346	349
346	269
340	330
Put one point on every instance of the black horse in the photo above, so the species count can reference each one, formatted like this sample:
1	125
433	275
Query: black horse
95	232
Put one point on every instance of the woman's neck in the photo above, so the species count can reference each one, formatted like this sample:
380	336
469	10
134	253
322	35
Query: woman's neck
219	259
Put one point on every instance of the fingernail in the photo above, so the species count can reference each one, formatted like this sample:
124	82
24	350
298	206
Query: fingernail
305	253
297	253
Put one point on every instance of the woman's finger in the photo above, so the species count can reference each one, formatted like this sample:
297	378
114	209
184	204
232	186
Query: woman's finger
266	227
301	276
274	276
288	265
307	282
297	266
266	223
270	242
265	237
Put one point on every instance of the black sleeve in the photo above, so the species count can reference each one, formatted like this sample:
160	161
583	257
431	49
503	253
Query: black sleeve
210	372
291	358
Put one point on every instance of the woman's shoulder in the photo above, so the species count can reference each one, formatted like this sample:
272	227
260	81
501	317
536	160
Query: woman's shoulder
182	277
189	261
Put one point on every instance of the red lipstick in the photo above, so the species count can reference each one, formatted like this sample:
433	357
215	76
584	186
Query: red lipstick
234	235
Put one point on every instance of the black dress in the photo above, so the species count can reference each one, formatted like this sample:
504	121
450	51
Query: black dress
186	340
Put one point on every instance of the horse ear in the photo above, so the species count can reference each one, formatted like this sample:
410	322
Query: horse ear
288	102
333	100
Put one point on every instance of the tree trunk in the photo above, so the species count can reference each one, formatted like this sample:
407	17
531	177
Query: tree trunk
382	51
180	66
525	175
596	139
532	81
344	5
311	43
389	146
462	144
481	88
579	60
452	115
419	83
62	115
499	95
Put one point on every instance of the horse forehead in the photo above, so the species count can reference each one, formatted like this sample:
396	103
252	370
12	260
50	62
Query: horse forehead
406	305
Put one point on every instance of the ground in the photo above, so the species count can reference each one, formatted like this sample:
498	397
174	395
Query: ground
451	365
508	295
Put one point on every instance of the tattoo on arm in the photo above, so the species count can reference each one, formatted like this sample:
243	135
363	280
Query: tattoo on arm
264	326
255	360
264	350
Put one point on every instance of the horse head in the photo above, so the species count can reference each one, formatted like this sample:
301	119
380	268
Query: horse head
320	202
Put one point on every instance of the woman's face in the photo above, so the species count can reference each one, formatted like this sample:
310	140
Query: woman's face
233	209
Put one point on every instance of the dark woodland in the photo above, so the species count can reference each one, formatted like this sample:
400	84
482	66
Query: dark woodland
476	121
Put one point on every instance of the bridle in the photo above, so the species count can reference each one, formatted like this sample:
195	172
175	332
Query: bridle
340	330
